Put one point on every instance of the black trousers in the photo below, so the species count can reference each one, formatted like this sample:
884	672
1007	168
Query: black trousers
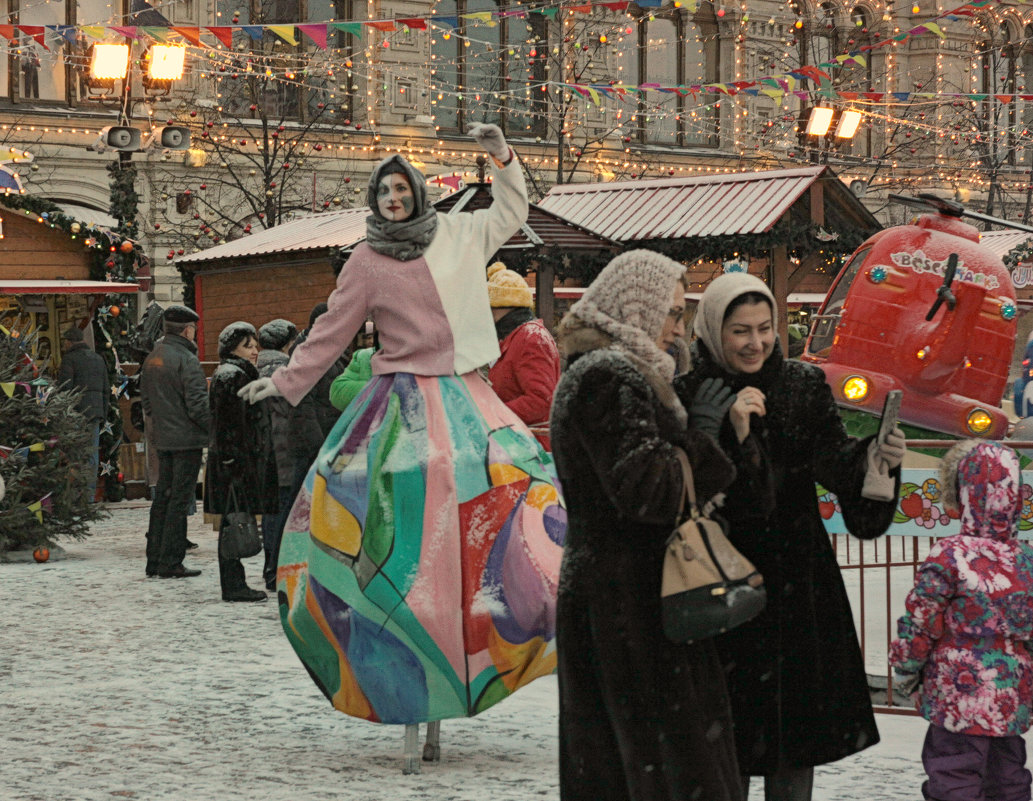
173	498
788	784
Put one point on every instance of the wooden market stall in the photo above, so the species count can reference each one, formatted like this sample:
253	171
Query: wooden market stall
731	221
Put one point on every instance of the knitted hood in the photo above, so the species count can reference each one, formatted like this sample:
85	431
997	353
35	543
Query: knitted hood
628	301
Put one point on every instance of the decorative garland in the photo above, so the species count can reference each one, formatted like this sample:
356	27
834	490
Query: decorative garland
1018	254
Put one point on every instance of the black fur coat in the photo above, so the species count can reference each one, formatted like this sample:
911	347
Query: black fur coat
241	450
641	718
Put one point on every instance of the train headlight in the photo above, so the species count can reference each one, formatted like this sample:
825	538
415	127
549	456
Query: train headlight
979	421
855	388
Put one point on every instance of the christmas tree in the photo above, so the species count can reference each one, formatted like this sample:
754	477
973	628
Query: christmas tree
44	457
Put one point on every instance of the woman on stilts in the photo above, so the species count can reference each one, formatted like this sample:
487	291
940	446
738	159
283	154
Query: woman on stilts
418	566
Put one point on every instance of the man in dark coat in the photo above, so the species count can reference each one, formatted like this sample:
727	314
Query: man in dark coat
525	375
310	421
174	392
83	368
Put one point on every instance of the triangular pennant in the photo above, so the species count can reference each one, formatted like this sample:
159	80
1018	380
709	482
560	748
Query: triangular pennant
1006	99
481	16
129	31
159	33
581	9
285	32
191	33
418	23
932	27
7	31
774	94
66	31
36	32
385	25
622	6
552	12
901	96
254	31
93	31
454	21
354	28
224	33
317	33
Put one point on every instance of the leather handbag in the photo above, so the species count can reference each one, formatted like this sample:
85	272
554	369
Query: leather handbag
708	587
239	537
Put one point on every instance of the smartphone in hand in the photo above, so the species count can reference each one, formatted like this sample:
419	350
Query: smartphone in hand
890	414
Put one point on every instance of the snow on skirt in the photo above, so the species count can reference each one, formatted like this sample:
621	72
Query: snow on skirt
419	564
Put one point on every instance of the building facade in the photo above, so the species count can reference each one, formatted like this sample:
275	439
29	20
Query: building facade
288	119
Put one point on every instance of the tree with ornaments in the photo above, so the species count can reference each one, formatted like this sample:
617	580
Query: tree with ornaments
44	457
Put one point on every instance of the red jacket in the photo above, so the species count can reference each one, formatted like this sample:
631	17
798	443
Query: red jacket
526	374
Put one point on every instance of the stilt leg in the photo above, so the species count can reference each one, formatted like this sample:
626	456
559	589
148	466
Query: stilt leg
412	741
432	747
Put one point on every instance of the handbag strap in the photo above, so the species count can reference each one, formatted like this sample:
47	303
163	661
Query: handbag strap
232	502
688	485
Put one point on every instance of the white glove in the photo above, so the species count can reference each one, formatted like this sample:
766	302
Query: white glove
892	450
258	390
878	483
491	139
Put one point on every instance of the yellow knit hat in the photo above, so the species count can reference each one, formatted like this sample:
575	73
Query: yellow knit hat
507	289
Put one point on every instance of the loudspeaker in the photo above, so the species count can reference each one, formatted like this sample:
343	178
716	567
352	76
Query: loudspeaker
119	137
171	137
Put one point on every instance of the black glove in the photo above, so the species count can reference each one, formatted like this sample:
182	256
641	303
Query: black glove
710	405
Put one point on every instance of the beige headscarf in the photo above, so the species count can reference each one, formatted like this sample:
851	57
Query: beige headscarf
629	300
716	298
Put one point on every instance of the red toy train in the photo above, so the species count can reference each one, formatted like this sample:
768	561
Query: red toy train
925	309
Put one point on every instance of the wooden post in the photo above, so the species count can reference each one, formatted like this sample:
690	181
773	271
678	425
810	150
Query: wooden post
778	277
544	278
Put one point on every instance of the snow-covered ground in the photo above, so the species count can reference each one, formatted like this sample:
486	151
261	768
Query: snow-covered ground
117	686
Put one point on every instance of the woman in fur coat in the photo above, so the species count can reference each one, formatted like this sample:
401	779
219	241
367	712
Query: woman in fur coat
240	455
795	674
641	718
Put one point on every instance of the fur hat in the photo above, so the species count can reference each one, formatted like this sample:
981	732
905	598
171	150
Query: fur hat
507	289
276	333
180	314
232	335
72	334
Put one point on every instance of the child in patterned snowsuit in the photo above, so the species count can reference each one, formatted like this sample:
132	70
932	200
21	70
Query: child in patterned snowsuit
963	644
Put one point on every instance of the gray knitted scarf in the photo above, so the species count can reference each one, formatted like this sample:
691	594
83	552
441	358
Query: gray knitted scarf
407	239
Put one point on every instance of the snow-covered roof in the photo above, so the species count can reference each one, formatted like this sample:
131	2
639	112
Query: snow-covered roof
334	229
1003	242
711	205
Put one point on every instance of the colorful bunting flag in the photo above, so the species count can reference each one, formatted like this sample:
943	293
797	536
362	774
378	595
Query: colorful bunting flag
284	32
317	33
224	33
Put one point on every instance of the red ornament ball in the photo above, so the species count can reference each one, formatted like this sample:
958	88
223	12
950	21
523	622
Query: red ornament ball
41	554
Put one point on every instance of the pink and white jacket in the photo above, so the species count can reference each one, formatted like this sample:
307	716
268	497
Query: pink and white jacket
432	312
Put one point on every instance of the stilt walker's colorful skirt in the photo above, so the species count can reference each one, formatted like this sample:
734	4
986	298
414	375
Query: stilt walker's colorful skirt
419	565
